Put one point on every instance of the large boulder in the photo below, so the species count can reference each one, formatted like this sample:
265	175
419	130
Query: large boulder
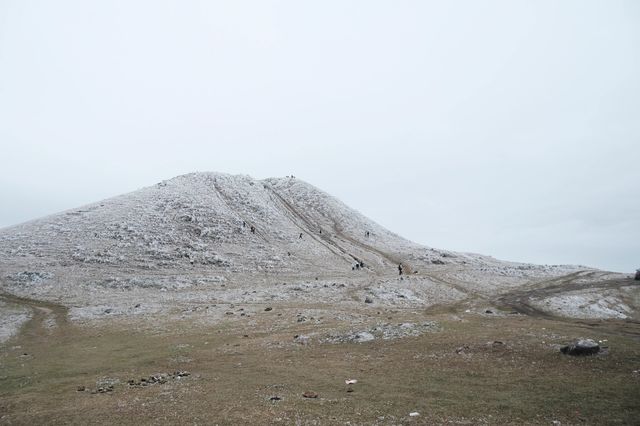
581	348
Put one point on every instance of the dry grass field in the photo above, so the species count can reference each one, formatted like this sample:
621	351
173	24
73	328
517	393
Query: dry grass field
472	369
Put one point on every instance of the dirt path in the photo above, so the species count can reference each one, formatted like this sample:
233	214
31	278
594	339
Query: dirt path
308	227
518	299
46	315
389	257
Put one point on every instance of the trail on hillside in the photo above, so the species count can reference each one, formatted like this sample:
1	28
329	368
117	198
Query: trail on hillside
36	326
518	299
389	257
228	202
310	226
297	217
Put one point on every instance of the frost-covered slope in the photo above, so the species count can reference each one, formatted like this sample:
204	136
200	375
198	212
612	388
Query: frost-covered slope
205	220
232	239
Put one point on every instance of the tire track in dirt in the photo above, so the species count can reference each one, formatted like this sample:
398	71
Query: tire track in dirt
297	217
35	327
336	229
519	300
392	259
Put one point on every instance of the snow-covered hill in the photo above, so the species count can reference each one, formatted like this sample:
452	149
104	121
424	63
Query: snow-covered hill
232	239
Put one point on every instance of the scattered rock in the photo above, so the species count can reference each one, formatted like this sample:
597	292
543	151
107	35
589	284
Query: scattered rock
581	348
462	349
81	388
310	394
103	389
363	336
303	340
267	309
488	311
158	379
275	398
385	331
108	310
368	300
414	414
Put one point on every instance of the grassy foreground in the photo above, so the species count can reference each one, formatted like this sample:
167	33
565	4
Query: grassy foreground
477	370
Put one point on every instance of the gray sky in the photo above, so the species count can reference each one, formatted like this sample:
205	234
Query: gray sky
509	128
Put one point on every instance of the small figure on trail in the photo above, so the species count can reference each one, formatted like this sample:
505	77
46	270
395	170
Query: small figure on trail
366	234
253	229
637	278
400	269
244	224
321	231
300	236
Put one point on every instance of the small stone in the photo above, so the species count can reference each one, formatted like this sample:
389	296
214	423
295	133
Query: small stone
275	398
267	309
368	300
310	394
81	389
303	340
461	349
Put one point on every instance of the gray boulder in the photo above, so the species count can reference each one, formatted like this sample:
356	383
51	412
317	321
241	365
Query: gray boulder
581	348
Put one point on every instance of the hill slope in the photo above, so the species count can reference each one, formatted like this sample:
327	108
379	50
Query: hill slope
190	239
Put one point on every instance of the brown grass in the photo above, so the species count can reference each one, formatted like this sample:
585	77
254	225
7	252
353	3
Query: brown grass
523	381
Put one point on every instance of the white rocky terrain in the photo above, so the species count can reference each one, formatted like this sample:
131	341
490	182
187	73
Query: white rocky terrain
185	247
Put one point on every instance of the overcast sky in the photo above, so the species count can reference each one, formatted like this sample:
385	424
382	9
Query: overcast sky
509	128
